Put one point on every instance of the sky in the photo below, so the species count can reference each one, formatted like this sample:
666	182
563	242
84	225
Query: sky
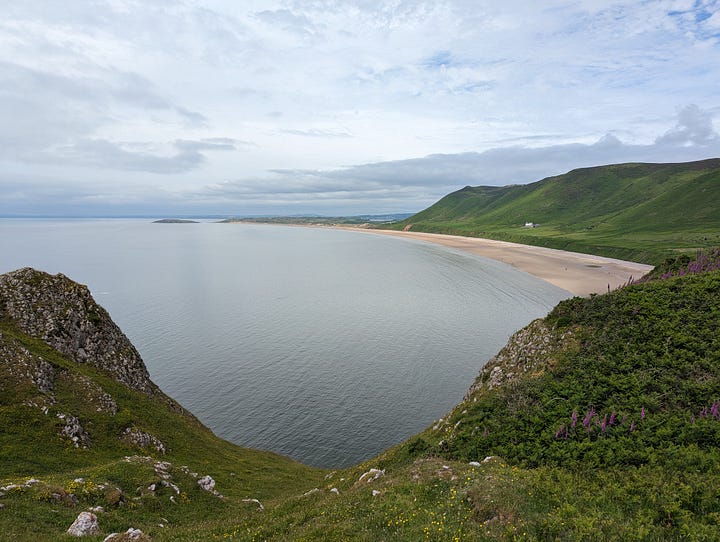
240	108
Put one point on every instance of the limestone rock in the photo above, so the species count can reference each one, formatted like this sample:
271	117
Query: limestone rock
127	536
372	474
260	506
530	351
44	376
143	440
64	315
22	367
94	394
207	483
85	524
74	431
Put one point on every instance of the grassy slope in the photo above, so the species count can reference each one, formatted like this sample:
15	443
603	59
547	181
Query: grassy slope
634	211
31	447
649	348
648	353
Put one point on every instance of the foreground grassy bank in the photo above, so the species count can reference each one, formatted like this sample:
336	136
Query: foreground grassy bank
601	421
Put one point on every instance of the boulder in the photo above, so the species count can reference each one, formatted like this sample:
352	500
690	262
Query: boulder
85	524
207	483
127	536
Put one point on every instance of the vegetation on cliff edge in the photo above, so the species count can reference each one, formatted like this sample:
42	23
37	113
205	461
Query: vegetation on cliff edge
601	421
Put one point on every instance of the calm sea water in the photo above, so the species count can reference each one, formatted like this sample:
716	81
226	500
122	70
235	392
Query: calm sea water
328	346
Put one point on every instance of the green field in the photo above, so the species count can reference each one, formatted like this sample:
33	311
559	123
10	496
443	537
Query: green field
640	212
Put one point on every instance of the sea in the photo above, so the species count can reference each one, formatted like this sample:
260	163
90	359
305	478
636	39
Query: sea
324	345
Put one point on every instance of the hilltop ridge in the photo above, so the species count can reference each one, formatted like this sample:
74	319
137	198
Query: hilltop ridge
635	211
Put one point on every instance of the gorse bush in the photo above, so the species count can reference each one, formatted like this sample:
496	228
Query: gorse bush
704	261
640	381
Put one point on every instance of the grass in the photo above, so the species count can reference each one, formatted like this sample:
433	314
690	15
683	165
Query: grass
641	212
32	448
608	429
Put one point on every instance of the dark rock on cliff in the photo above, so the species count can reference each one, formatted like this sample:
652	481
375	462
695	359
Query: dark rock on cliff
65	316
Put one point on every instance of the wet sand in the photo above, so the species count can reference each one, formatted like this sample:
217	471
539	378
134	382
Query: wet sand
579	274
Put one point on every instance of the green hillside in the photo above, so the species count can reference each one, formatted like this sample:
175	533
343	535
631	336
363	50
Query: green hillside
640	212
88	439
599	422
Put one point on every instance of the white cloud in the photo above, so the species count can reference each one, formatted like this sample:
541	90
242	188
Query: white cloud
694	127
424	97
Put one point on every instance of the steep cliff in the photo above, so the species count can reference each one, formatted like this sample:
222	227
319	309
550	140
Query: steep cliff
65	316
83	429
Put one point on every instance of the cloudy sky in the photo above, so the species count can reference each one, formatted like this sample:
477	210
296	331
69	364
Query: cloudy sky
334	107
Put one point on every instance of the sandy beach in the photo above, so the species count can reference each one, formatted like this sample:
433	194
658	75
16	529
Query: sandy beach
579	274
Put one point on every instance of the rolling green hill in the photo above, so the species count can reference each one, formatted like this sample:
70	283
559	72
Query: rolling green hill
640	212
599	422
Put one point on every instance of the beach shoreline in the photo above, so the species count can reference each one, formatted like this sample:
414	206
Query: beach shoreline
580	274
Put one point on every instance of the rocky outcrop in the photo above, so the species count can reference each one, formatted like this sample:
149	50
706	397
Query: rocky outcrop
130	534
65	316
142	439
93	393
530	351
25	368
73	430
85	524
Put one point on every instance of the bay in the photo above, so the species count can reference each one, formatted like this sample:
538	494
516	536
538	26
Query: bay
325	345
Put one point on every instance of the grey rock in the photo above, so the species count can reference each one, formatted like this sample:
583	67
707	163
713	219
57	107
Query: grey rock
64	315
143	440
130	534
85	524
528	352
74	431
94	394
372	474
44	377
207	483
